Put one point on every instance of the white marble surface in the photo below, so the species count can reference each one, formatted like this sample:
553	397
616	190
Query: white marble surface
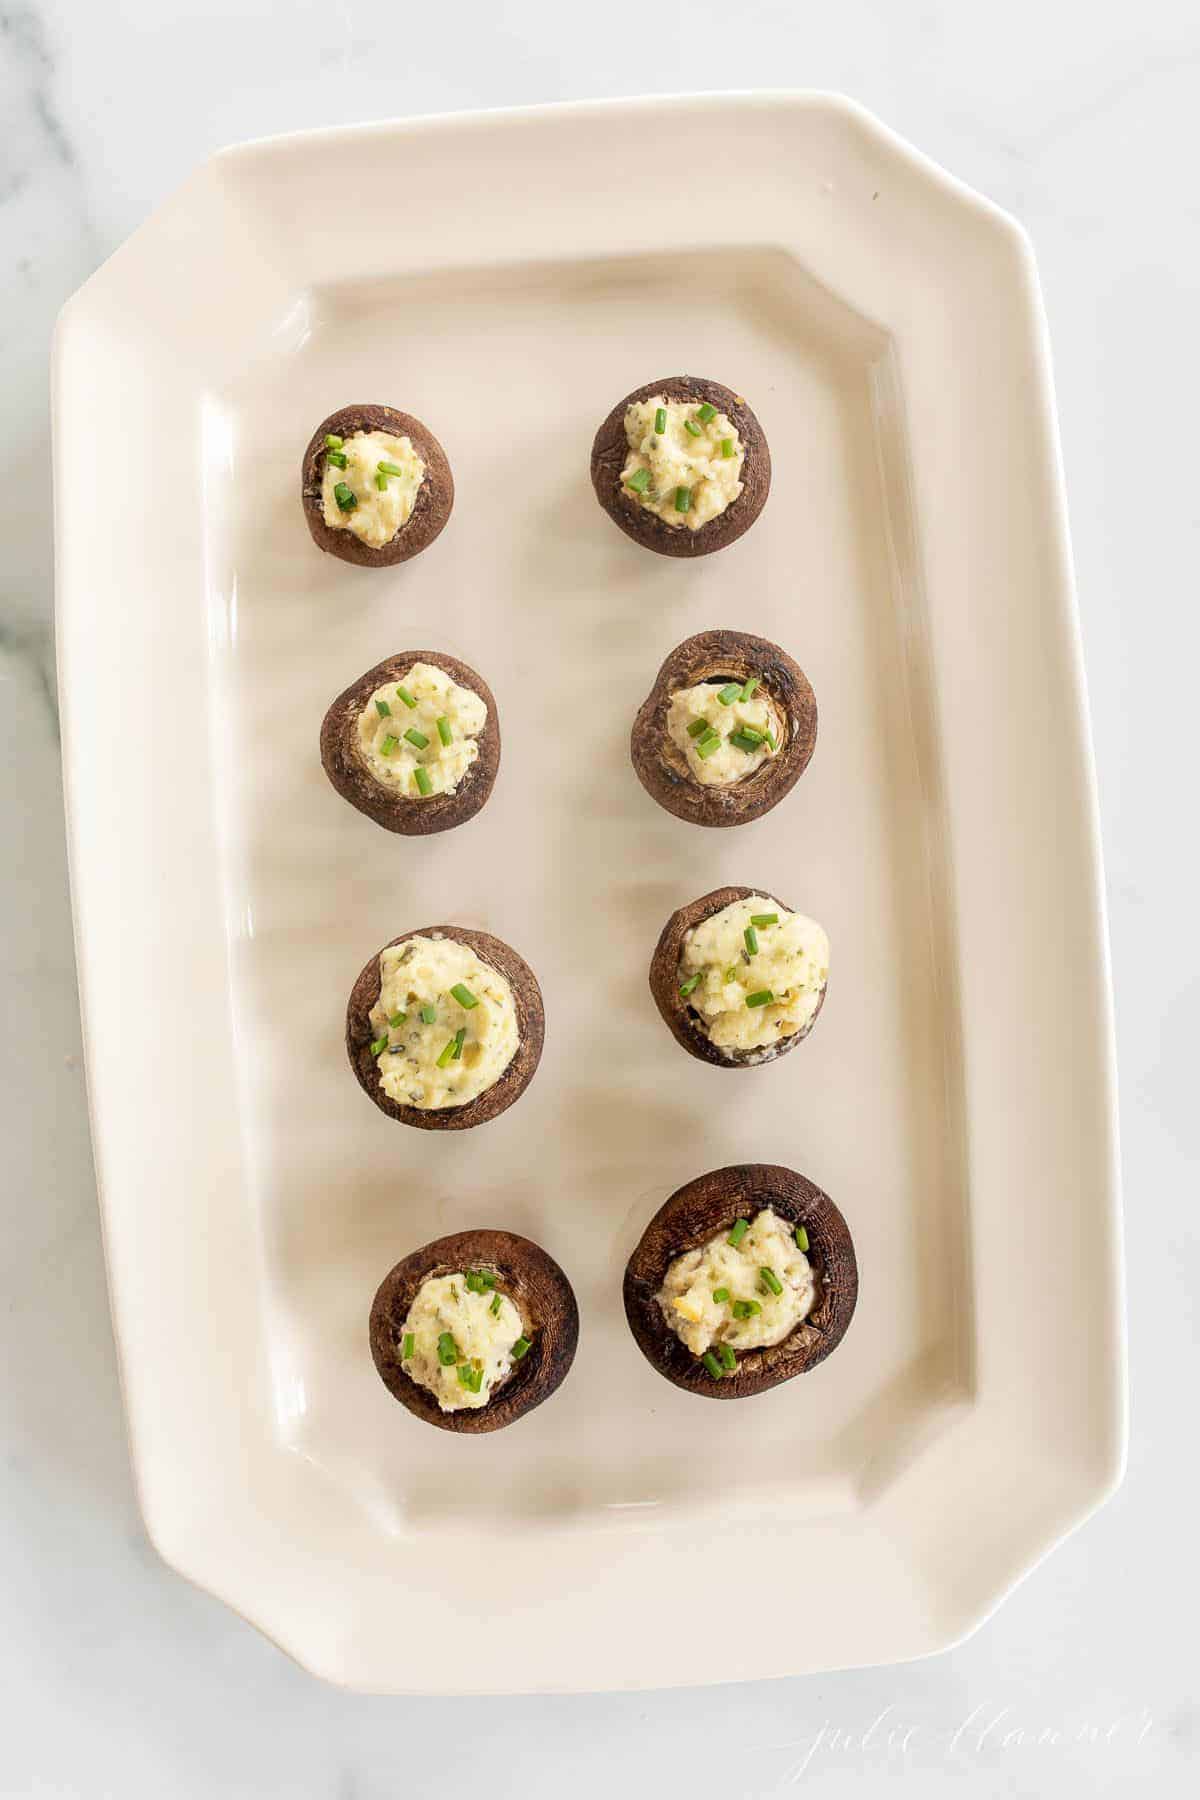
115	1677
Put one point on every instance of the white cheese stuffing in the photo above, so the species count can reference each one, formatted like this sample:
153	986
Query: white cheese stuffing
686	1295
681	458
393	758
416	977
791	964
379	512
730	762
483	1326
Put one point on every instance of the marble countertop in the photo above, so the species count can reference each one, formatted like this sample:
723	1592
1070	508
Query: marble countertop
117	1677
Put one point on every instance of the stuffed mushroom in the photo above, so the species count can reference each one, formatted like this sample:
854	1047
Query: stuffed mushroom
414	743
742	1279
682	466
727	729
474	1330
375	486
738	977
444	1028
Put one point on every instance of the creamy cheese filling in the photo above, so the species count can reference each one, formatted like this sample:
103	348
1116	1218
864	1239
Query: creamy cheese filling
437	732
445	1023
458	1339
688	472
754	983
743	730
377	512
749	1314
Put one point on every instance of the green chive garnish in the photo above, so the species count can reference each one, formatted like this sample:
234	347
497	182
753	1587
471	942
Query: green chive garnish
751	940
639	481
738	1233
519	1348
749	688
417	738
379	1045
447	1056
726	1354
683	499
381	481
421	777
472	1379
383	709
706	412
333	443
410	1344
397	1020
690	985
691	427
698	727
745	1309
660	420
405	696
447	1350
772	1280
720	1295
731	973
712	1365
708	744
337	457
745	741
801	1238
753	733
460	1038
480	1281
763	998
389	468
444	731
726	447
429	1014
344	497
730	692
771	739
497	1300
464	996
764	918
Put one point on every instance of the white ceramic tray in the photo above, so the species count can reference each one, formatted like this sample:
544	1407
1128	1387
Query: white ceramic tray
507	278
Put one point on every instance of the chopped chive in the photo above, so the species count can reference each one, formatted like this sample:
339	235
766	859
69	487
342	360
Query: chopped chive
660	420
379	1045
731	973
464	996
388	468
332	442
738	1233
712	1365
519	1349
801	1238
691	984
699	727
397	1019
338	458
771	740
683	499
381	481
772	1280
388	745
726	447
447	1055
707	745
497	1302
751	940
691	427
763	998
444	731
421	777
720	1295
429	1014
480	1281
472	1379
639	481
447	1350
383	709
764	918
745	1309
406	696
706	412
745	741
417	738
749	688
344	497
752	732
460	1038
727	1356
410	1344
730	692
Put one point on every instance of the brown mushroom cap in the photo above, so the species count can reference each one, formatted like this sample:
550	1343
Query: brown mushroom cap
431	509
717	657
537	1288
699	1211
531	1027
683	1020
611	448
410	814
